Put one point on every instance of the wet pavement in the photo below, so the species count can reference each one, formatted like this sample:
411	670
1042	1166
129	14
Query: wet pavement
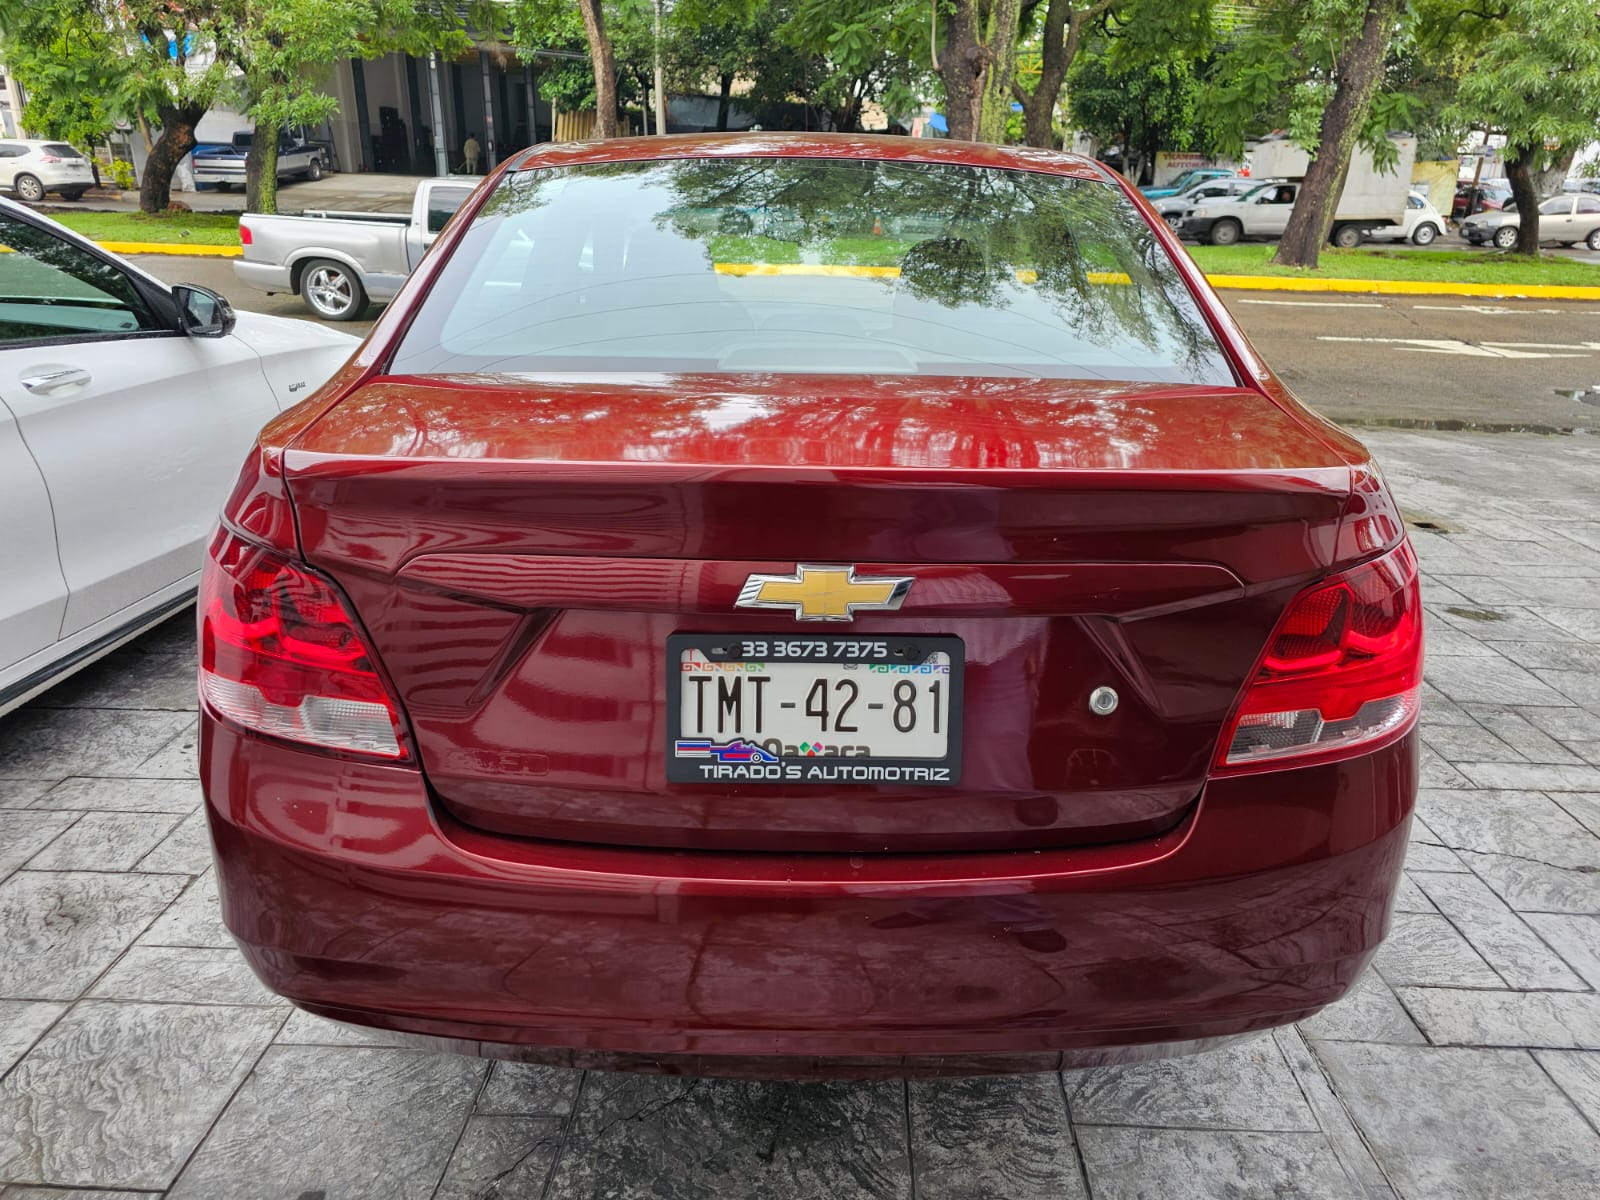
138	1055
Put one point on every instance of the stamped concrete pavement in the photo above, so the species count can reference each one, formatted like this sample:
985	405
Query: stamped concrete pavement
139	1057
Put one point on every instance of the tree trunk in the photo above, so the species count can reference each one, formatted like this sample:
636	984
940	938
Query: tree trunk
1063	30
261	170
1000	69
605	69
723	98
1525	191
1356	74
961	69
1550	179
176	140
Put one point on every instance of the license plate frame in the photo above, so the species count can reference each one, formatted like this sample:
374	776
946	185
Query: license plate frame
906	653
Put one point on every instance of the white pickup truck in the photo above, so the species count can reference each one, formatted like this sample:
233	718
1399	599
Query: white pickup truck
340	261
1372	199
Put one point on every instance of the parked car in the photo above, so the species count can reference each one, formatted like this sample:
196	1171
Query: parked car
32	169
224	166
1261	212
339	261
124	407
1422	224
1184	181
1226	188
1486	197
682	652
1567	218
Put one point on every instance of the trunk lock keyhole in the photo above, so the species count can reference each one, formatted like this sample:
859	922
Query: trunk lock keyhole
1103	701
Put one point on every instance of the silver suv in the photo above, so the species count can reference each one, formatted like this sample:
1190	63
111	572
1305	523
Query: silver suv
30	169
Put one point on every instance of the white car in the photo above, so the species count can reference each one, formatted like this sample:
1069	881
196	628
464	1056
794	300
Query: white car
125	407
30	169
1229	187
1422	224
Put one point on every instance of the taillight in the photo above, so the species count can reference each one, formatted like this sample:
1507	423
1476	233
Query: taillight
48	158
280	654
1342	673
246	238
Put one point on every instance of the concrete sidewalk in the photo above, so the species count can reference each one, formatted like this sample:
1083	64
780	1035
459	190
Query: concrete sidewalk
138	1052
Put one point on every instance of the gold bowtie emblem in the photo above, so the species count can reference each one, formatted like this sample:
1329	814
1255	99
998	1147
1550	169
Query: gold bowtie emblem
816	593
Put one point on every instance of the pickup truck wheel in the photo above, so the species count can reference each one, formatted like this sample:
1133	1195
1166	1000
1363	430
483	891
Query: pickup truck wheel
314	171
332	291
1226	233
1505	237
29	188
1347	237
1424	234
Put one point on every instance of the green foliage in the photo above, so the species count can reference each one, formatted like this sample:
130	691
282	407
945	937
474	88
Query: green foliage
1535	76
69	67
1143	107
122	174
536	25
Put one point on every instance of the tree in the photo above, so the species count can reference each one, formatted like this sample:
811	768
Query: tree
286	50
605	68
859	50
1143	108
1059	39
978	65
177	70
62	54
1536	79
1355	77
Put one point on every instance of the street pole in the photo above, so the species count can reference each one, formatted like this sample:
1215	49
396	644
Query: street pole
661	77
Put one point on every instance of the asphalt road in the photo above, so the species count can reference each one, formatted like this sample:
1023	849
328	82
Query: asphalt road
1407	361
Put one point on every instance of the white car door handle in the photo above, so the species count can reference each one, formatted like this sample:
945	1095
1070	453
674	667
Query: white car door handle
46	382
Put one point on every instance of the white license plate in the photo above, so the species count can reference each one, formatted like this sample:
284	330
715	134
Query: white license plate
820	709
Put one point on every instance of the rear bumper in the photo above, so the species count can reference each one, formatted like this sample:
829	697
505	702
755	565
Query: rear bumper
264	277
353	898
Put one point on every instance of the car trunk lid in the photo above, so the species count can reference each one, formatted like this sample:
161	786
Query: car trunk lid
521	550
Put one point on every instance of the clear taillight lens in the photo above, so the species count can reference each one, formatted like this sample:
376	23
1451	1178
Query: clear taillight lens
1342	673
280	654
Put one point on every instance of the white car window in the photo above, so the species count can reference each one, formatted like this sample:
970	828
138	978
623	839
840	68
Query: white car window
1589	204
1556	206
50	288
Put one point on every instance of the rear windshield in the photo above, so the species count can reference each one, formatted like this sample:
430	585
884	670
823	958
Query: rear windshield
60	150
807	265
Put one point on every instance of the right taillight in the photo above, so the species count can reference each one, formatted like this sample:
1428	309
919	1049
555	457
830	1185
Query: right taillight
246	238
281	654
1342	673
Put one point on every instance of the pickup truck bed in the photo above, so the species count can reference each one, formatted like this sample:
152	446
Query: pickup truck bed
339	261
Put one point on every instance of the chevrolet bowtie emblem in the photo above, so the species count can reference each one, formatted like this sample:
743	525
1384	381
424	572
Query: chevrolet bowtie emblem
815	593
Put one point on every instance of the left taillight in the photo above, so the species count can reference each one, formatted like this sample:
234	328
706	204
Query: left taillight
280	654
1342	673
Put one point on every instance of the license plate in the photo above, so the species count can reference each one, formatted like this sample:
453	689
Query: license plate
820	709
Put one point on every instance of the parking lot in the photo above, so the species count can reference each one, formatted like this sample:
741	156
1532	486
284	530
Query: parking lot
141	1057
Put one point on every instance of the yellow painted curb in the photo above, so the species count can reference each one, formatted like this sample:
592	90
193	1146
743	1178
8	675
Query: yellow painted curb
172	248
1405	287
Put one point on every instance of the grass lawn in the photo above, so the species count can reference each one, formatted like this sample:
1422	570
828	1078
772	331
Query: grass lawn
1430	266
195	229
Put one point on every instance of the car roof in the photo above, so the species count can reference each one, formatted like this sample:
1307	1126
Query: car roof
858	146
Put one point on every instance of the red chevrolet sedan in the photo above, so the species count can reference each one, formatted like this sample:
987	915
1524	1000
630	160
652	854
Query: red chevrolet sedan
802	605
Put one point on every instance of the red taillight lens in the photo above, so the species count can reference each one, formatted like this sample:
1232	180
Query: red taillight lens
1342	672
246	238
280	654
48	158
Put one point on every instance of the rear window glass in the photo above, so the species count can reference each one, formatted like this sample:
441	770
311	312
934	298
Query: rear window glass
799	265
60	150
